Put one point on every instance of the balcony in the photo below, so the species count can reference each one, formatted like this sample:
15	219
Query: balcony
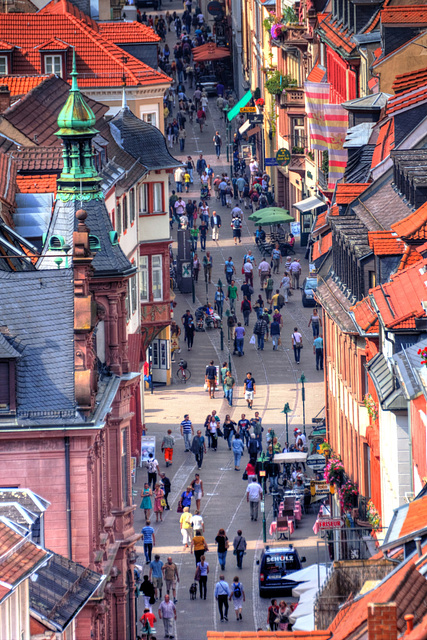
292	97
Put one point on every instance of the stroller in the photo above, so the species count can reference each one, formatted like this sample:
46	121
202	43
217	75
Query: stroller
204	320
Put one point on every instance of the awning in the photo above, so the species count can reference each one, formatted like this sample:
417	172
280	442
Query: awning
242	103
245	126
289	458
210	51
309	204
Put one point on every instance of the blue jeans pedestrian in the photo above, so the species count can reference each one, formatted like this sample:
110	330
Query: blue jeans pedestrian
218	150
187	440
190	171
260	341
273	484
229	276
259	441
148	547
219	307
181	144
230	438
319	358
259	312
229	396
203	243
223	198
222	556
297	353
194	244
315	326
239	345
237	458
178	187
239	558
232	305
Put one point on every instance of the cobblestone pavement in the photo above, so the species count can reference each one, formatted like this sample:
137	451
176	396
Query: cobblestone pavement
276	374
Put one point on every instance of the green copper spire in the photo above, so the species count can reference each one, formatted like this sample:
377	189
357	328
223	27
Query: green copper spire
79	179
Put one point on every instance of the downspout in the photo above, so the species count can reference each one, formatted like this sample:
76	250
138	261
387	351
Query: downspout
68	495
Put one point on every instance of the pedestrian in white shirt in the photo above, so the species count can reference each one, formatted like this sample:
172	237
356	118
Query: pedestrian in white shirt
295	269
263	270
248	271
253	496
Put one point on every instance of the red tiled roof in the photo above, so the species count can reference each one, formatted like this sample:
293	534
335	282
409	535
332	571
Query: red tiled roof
420	631
320	222
99	61
36	183
399	301
7	179
18	557
405	100
39	159
365	317
5	46
373	25
416	517
408	81
317	74
422	249
268	635
61	7
385	243
414	226
349	191
127	32
415	15
20	85
322	245
410	257
334	210
337	35
54	44
385	143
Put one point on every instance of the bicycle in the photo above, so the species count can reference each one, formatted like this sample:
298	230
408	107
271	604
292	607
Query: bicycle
183	374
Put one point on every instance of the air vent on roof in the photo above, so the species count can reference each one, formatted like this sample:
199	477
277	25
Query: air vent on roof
94	243
56	242
353	300
114	238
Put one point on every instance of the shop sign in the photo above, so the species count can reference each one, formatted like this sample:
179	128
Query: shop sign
283	157
330	523
247	109
316	462
215	8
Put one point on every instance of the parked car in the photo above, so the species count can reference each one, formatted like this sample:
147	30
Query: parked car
208	84
277	564
309	286
155	4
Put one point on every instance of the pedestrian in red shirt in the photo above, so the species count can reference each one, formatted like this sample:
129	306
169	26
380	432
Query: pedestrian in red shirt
149	618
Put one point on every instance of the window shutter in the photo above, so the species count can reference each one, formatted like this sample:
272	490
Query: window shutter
4	385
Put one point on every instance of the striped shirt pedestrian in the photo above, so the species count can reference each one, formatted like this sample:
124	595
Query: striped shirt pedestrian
187	431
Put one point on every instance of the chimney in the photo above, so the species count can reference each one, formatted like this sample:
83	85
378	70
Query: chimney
382	621
418	546
409	619
4	98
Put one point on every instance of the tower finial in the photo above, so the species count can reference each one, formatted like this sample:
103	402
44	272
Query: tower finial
74	74
124	101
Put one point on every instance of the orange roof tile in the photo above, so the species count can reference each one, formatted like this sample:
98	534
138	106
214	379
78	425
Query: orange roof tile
416	517
410	257
320	222
61	7
99	61
127	32
20	85
405	100
54	44
384	144
334	210
365	316
36	183
317	74
422	249
385	243
268	635
322	245
18	557
337	35
399	301
415	15
408	81
414	226
349	191
5	46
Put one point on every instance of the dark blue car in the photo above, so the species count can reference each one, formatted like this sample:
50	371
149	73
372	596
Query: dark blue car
277	564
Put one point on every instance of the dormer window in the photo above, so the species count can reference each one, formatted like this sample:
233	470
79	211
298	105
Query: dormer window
53	64
4	66
7	386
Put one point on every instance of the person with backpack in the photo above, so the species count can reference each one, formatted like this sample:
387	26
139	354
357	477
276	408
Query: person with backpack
260	329
237	597
246	309
217	142
236	225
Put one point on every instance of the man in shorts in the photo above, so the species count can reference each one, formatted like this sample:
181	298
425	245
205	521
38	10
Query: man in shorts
236	225
249	389
156	574
210	378
170	574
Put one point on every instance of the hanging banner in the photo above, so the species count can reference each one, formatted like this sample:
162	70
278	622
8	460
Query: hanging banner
316	97
336	120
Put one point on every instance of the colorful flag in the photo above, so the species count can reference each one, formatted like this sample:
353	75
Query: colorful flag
316	98
336	124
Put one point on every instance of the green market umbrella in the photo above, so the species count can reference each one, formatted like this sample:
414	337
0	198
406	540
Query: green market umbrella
271	215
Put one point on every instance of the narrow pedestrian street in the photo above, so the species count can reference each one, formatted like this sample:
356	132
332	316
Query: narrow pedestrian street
277	382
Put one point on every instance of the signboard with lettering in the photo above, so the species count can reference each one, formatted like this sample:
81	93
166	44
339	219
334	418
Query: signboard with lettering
322	488
316	462
248	110
215	8
271	162
283	157
256	118
330	523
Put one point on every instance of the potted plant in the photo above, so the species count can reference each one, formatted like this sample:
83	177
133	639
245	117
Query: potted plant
374	517
334	472
348	495
371	406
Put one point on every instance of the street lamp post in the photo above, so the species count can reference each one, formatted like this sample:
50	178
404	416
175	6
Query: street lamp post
302	380
286	410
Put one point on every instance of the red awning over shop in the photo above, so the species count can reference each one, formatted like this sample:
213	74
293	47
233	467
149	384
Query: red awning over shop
210	51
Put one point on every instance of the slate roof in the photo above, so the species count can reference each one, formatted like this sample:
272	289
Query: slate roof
374	101
374	22
36	183
411	373
386	383
127	32
359	164
35	116
399	301
6	349
21	85
39	159
99	61
110	259
62	588
333	300
19	558
379	207
37	317
142	140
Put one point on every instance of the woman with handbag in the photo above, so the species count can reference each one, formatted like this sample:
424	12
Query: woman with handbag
185	525
207	429
272	616
213	426
199	546
159	495
202	576
283	616
229	430
222	547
